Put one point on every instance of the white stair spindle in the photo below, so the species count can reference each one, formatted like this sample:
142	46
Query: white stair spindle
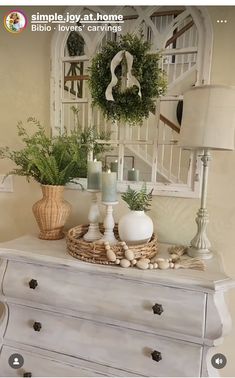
179	164
171	160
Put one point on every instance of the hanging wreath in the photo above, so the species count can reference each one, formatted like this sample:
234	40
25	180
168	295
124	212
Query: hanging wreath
125	79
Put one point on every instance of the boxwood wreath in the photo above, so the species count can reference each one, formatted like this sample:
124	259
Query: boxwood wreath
128	106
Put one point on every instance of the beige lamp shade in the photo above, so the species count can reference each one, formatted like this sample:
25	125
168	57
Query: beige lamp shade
208	118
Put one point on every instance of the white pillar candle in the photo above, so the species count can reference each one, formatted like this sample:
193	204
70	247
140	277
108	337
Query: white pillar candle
109	186
94	169
133	175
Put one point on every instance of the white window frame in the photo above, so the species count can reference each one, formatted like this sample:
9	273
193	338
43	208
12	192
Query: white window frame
205	41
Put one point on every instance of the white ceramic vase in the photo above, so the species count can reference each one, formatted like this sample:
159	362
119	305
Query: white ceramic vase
135	227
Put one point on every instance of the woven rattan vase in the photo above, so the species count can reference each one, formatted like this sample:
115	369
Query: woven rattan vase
51	212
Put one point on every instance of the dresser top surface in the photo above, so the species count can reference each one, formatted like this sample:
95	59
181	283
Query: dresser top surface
53	253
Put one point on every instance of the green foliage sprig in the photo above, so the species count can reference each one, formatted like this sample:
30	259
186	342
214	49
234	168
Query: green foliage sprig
88	139
48	160
138	200
127	105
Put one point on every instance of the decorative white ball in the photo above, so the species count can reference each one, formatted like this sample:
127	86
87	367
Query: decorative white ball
124	263
150	266
163	264
117	262
111	255
155	265
159	259
129	254
142	264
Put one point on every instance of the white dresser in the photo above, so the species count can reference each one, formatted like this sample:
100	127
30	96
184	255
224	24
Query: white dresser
70	318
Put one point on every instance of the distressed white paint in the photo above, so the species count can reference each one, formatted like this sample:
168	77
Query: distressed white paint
53	253
97	320
78	292
218	314
104	344
41	366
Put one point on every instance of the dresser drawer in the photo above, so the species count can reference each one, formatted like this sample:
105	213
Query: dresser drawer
40	366
114	299
104	344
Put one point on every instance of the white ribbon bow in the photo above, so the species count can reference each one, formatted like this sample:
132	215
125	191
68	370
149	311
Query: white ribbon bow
131	80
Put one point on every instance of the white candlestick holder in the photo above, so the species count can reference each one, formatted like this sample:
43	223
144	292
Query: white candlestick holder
109	224
93	232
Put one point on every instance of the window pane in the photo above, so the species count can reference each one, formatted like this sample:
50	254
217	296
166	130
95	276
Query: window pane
75	45
110	158
173	164
137	164
75	76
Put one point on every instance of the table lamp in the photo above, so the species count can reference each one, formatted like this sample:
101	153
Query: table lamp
208	123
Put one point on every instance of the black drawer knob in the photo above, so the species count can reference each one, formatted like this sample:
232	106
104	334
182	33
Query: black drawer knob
33	284
37	326
156	356
157	309
27	374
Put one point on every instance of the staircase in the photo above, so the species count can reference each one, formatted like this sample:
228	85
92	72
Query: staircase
167	139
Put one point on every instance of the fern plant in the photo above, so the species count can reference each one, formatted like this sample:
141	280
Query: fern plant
138	200
48	160
88	138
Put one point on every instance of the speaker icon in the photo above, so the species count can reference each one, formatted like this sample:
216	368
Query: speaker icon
218	361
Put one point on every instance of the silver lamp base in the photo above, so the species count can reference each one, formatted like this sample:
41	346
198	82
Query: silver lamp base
201	253
200	244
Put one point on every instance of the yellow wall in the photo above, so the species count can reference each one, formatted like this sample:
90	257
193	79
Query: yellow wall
24	91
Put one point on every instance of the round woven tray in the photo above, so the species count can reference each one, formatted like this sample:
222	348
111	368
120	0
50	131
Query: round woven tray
95	252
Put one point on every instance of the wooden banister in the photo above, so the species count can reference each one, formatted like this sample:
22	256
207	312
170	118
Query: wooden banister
76	77
179	33
169	123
